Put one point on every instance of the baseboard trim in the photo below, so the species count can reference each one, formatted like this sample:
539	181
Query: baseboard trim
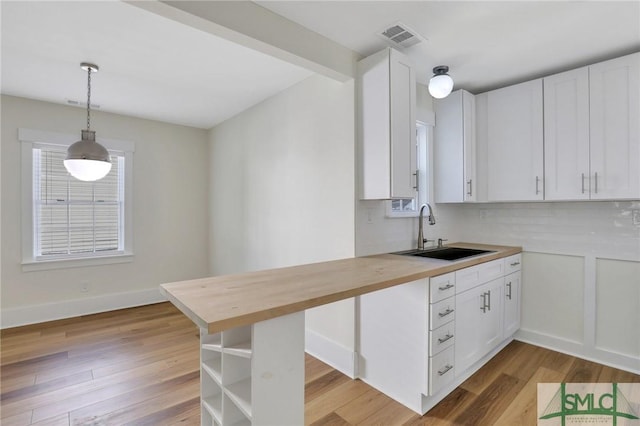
330	352
601	356
33	314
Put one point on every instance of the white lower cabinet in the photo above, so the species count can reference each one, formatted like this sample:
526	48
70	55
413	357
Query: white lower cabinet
511	301
441	370
245	371
512	295
442	333
435	332
478	323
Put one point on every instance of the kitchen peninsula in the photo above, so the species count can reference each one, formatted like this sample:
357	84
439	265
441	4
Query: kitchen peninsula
252	326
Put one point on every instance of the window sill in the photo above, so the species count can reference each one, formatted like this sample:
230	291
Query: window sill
45	265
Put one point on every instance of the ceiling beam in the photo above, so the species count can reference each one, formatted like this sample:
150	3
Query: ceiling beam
257	28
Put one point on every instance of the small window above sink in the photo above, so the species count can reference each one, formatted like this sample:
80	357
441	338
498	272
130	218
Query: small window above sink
445	253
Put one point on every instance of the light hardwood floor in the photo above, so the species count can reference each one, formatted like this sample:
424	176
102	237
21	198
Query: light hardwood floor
139	367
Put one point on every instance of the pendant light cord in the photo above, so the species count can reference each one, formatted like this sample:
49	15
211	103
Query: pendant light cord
89	99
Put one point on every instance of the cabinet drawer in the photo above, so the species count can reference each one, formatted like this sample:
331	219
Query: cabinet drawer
441	338
442	312
441	370
470	277
441	287
512	263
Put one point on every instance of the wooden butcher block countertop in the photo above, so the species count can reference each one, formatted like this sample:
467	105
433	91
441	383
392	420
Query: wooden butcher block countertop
228	301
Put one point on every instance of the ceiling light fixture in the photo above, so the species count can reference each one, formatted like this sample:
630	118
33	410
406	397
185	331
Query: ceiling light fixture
441	83
87	160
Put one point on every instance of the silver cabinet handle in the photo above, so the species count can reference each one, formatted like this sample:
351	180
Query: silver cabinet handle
596	182
469	182
509	287
445	369
445	338
486	301
537	181
583	183
515	263
445	313
446	287
417	174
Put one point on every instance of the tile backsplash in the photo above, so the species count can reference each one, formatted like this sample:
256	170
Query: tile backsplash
607	229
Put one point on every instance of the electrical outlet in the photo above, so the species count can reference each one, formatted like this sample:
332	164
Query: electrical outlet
635	217
84	287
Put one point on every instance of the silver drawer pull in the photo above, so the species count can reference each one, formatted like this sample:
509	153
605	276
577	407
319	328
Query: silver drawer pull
515	263
445	338
444	370
445	313
446	287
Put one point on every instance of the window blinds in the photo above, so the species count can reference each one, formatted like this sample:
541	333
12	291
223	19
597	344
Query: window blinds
74	218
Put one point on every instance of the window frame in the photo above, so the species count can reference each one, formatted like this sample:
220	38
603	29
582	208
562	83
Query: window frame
425	166
30	138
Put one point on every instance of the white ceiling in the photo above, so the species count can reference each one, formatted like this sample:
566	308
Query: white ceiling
150	66
487	44
158	68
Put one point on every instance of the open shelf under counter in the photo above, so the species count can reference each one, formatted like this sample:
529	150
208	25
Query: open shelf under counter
213	367
211	342
241	349
213	405
240	394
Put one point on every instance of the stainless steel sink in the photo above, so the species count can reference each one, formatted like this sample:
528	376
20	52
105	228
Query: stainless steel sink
445	253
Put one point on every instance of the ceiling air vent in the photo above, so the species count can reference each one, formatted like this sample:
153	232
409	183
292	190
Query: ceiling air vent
400	35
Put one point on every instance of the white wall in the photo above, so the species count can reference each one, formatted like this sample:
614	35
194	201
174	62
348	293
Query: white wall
282	193
171	218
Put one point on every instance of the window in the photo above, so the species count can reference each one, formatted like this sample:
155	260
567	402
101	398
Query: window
69	220
410	206
72	218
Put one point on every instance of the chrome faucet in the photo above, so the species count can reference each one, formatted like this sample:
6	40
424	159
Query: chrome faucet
432	221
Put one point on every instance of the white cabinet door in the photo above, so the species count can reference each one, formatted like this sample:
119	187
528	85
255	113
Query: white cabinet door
615	128
403	127
566	135
511	304
478	323
515	143
386	126
455	148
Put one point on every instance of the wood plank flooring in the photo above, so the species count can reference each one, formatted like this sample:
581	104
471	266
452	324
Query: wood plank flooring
139	367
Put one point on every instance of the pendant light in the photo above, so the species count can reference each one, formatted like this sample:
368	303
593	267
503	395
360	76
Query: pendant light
87	160
441	83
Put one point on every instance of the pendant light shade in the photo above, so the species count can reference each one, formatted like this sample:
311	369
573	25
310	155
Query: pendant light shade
87	160
441	83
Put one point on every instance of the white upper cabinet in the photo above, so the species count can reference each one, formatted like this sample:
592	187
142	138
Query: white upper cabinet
566	135
455	148
615	128
386	91
515	143
592	132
